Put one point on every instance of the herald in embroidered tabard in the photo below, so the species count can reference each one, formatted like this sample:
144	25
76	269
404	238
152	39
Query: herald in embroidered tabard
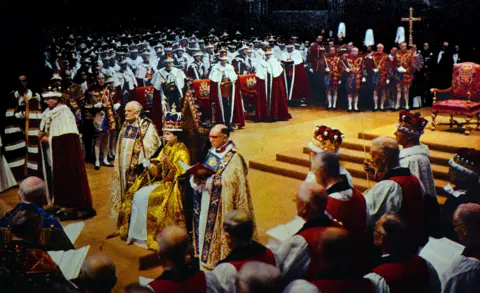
213	161
131	132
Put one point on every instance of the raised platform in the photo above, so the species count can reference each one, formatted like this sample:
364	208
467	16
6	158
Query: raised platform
295	162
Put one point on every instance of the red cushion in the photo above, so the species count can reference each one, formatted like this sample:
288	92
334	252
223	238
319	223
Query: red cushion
456	106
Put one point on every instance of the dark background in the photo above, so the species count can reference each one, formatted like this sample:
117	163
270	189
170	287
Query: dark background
25	25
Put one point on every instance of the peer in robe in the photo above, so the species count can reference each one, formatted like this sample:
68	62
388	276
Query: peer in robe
416	157
294	74
7	180
297	256
239	232
271	100
31	192
62	159
400	269
180	274
326	139
397	191
154	201
138	140
31	267
464	177
335	274
465	277
215	196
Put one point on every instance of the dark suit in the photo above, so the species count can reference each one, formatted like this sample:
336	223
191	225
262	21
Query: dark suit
443	68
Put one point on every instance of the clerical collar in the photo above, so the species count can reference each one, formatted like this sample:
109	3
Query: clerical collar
397	171
339	186
245	252
223	147
321	221
182	273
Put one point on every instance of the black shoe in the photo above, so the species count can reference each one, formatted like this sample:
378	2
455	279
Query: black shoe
356	110
349	110
97	167
374	110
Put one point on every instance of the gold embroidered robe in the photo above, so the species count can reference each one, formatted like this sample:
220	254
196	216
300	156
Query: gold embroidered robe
165	206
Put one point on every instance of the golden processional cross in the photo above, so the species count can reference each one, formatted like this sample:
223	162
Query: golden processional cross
410	20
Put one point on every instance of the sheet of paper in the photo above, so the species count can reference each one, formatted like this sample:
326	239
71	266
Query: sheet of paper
73	230
287	230
444	255
70	262
144	281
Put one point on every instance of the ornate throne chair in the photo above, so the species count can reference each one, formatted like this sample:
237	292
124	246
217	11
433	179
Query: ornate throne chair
247	84
465	96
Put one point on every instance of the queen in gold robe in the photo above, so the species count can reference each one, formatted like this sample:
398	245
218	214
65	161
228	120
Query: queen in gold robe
159	203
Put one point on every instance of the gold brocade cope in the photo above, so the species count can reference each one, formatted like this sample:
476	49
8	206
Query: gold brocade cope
165	206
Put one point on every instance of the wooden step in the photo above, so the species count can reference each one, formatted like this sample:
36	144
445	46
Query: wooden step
431	145
436	156
271	165
440	171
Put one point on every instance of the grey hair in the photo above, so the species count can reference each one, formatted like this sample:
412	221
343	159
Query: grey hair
469	214
328	162
137	106
239	225
388	146
258	277
33	190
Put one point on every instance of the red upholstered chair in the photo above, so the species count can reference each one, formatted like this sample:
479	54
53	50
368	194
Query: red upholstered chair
144	95
201	91
247	84
465	96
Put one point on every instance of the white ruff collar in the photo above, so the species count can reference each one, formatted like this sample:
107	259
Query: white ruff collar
420	149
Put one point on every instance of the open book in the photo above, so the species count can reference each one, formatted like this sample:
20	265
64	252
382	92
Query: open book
287	230
73	230
198	169
444	255
70	262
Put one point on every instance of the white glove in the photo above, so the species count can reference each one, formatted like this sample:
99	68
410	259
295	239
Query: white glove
311	70
116	106
145	79
339	82
401	69
375	70
327	69
348	70
98	105
364	79
20	115
147	164
388	81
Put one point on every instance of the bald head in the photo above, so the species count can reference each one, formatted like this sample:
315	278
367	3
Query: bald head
239	226
219	135
395	235
311	200
466	219
32	190
98	273
385	153
173	245
258	277
335	247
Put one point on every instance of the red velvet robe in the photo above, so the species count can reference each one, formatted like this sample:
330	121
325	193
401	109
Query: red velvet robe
254	251
70	187
238	114
278	108
300	88
344	286
410	276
